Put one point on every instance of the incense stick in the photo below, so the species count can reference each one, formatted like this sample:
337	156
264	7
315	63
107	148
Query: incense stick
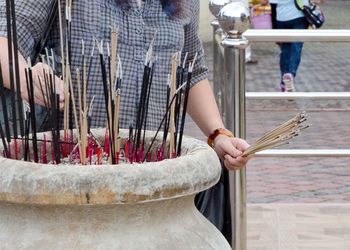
184	110
166	128
159	128
147	102
75	112
10	64
16	65
172	146
106	95
30	90
3	139
280	135
4	107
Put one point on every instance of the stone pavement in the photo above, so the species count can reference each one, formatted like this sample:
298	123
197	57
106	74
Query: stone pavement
298	227
324	67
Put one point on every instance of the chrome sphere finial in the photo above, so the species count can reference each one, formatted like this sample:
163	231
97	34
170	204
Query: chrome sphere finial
216	5
234	18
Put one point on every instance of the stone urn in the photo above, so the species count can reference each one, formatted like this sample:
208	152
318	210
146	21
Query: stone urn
127	206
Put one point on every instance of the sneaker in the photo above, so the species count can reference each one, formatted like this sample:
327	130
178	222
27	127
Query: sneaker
288	83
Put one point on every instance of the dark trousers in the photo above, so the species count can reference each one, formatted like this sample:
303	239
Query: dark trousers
291	52
273	15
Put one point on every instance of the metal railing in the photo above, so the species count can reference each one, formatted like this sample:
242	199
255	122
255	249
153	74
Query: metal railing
229	89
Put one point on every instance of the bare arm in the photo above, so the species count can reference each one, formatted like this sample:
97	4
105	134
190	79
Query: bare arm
37	71
204	111
5	65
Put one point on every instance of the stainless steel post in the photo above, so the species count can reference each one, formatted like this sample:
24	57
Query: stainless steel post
234	20
215	6
217	67
235	120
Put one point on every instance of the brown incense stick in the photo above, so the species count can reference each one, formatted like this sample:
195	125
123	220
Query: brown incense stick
74	109
172	149
114	45
79	96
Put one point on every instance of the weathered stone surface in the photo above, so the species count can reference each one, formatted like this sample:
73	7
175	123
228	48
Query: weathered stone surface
31	183
129	206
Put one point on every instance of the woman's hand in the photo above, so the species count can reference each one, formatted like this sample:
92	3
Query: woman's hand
229	150
38	72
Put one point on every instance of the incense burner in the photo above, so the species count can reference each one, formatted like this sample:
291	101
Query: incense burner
127	206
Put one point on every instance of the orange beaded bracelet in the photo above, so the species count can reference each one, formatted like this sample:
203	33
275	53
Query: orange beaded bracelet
218	131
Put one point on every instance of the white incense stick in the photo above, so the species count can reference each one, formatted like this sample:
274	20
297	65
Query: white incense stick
280	135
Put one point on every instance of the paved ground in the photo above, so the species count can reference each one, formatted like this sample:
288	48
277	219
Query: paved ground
298	227
324	67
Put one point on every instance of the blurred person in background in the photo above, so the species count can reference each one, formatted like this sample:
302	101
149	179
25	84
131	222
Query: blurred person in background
290	17
273	4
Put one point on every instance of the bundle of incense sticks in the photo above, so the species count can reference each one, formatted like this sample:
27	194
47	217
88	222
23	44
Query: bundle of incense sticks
169	123
112	95
280	135
77	113
14	77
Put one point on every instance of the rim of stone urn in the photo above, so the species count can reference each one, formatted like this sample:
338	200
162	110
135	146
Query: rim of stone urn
32	183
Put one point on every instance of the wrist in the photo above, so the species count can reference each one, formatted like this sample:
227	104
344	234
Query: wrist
217	133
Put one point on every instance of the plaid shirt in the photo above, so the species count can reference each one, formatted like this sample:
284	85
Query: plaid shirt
137	28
